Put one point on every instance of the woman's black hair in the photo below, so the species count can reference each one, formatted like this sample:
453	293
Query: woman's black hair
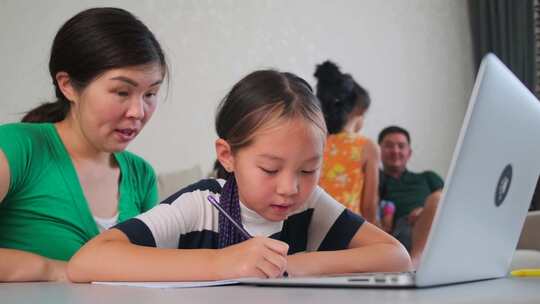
339	95
90	43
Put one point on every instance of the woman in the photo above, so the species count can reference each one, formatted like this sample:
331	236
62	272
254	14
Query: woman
64	174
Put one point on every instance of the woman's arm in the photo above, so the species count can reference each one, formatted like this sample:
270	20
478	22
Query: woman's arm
111	257
370	250
4	176
370	197
21	266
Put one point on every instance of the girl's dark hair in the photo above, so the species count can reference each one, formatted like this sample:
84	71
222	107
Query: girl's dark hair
262	98
90	43
219	171
339	95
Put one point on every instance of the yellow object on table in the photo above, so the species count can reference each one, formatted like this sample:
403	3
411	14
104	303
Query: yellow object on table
528	272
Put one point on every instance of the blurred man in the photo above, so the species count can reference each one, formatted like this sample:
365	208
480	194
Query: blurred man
415	195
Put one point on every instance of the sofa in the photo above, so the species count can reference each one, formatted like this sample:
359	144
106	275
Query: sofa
170	182
527	253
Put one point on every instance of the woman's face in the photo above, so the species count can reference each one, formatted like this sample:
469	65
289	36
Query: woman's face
112	110
278	171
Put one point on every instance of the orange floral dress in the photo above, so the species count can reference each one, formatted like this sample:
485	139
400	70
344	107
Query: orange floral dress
342	175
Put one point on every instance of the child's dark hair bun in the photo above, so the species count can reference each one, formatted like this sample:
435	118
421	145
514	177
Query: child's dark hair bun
328	72
333	86
339	95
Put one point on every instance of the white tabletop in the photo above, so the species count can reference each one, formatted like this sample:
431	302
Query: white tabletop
506	290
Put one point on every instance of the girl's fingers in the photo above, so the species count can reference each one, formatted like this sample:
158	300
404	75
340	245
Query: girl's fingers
269	269
278	247
278	261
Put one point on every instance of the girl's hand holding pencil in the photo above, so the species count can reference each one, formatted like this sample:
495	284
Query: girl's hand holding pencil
257	257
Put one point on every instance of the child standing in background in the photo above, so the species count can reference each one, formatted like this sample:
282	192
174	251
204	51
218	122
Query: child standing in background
271	140
350	167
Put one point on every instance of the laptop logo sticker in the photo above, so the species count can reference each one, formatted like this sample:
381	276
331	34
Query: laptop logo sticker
503	185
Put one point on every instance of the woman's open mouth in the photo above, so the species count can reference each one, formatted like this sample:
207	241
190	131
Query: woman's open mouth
126	134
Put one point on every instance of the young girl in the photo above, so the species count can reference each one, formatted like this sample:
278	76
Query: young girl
350	171
64	174
271	139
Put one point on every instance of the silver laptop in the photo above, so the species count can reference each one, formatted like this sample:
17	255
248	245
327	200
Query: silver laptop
489	187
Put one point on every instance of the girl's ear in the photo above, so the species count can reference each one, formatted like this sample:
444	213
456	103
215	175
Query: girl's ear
66	86
225	155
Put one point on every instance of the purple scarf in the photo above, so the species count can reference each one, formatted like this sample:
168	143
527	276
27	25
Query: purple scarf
229	201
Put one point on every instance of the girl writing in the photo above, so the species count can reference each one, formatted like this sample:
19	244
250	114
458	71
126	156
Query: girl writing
271	139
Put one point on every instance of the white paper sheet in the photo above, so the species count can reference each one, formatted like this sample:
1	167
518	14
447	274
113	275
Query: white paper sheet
190	284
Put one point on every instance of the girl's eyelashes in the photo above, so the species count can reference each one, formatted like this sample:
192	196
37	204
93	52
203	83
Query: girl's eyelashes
309	172
273	172
268	171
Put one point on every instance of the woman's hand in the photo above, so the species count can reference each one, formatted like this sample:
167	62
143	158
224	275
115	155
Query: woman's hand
257	257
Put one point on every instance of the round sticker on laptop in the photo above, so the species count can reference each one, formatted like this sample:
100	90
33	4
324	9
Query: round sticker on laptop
503	185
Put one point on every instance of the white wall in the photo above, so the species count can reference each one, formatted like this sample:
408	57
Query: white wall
413	56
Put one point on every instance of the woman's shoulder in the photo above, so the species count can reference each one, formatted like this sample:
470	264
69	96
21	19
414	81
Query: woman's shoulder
22	128
26	135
